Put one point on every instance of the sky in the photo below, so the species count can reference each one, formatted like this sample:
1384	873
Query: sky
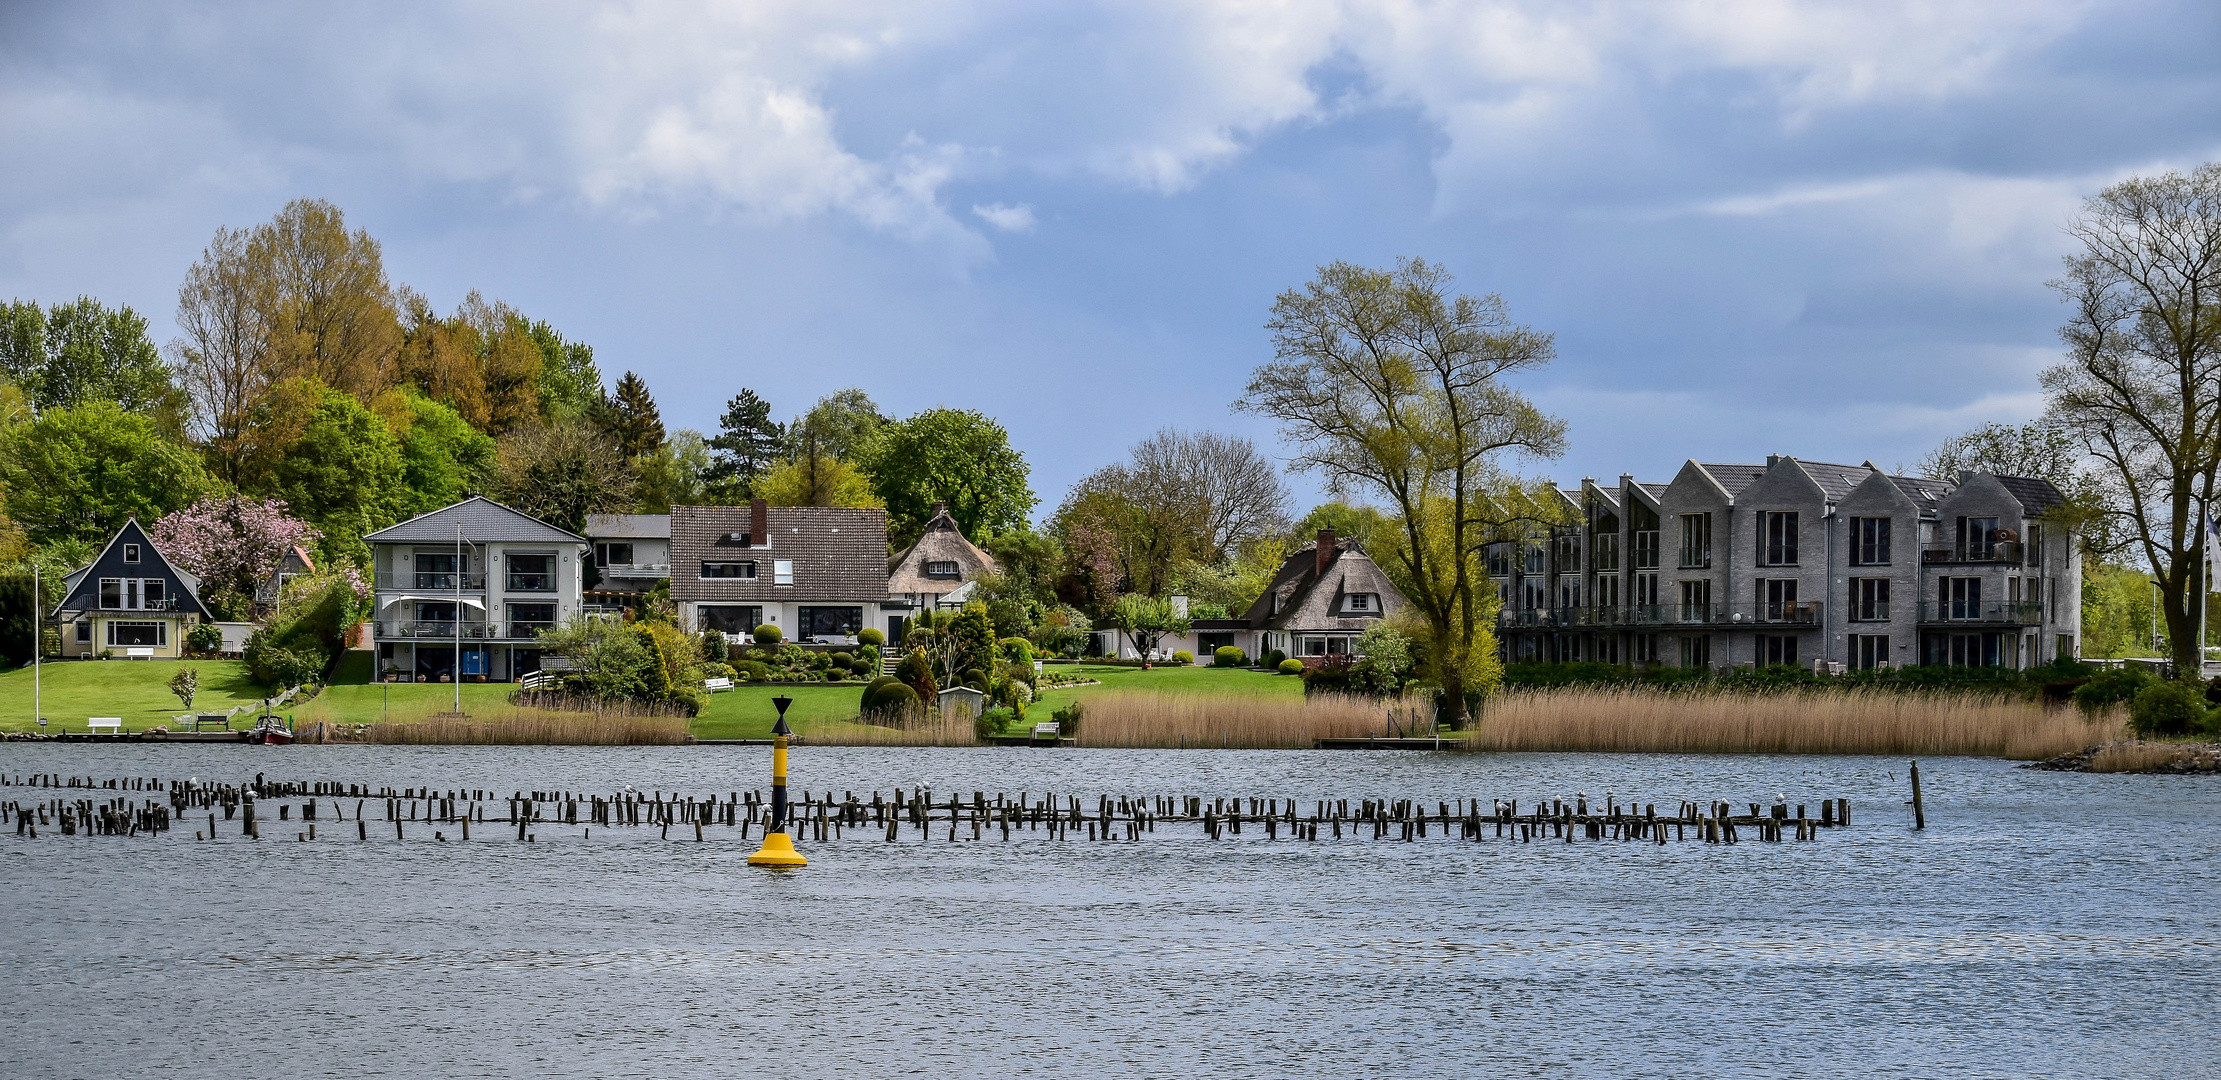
1753	226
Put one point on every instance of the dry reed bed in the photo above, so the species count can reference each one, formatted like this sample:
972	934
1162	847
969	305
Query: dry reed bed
1243	723
2120	757
515	727
1625	720
922	729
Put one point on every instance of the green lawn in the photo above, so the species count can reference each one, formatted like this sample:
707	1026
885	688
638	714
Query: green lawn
136	690
1239	682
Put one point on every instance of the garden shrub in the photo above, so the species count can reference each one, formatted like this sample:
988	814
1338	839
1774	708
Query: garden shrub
916	672
753	670
842	660
870	637
862	668
1290	666
768	634
975	678
1017	650
1182	656
2111	687
714	647
2171	707
871	691
991	722
894	696
1068	720
1328	678
712	669
1274	658
1228	656
205	638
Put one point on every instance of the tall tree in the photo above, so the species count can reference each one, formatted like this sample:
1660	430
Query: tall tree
1181	498
561	472
837	426
484	361
333	461
639	427
443	458
2141	386
675	474
955	456
570	383
77	473
2041	449
1388	384
816	480
83	351
748	441
224	353
232	544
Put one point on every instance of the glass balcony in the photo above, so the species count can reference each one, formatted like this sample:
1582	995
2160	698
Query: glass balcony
2000	613
429	581
1995	552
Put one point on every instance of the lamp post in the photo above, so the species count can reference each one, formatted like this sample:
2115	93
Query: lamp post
778	848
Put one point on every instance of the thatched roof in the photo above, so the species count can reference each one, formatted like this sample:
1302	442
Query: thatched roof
1312	601
942	542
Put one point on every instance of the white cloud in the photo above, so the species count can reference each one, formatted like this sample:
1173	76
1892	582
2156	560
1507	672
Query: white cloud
1018	219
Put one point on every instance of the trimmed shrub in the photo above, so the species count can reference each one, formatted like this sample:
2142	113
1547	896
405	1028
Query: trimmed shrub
711	669
1228	656
2174	707
1182	656
753	670
208	638
1017	650
872	689
916	672
1290	666
1274	658
862	668
894	695
975	678
843	660
871	637
768	634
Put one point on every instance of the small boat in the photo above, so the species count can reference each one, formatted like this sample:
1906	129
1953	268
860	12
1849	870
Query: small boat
271	731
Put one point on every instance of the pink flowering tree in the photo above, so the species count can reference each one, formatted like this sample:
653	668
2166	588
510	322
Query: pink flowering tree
231	543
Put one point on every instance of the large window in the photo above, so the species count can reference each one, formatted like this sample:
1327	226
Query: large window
1499	559
138	634
526	620
730	619
1646	590
531	573
2035	545
1696	600
1869	599
1696	650
134	594
613	554
1777	599
1978	537
1869	651
744	570
1959	597
435	571
1777	538
1696	541
1777	649
1869	541
831	621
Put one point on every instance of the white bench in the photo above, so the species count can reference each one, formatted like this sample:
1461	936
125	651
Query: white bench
1047	729
112	723
139	652
714	685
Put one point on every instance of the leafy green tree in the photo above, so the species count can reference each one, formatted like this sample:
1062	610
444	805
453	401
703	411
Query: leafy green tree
570	383
675	474
956	456
561	472
747	443
838	425
82	351
443	458
1146	620
334	462
76	474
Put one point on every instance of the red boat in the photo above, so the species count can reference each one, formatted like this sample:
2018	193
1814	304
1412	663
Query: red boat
271	732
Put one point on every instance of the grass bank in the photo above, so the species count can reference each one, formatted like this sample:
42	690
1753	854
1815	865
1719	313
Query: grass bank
1645	721
136	690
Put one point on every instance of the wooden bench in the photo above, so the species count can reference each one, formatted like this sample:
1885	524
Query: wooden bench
221	720
112	723
714	685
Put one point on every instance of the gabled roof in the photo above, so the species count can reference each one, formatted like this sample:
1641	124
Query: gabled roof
2037	496
1732	477
629	526
839	554
482	519
942	541
135	533
1836	481
1308	599
1924	492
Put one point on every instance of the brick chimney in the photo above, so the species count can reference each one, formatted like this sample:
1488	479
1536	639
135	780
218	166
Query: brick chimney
759	522
1325	555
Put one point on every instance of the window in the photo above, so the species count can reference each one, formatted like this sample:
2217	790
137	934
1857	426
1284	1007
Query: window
942	568
1362	602
1696	650
1607	590
1777	649
1499	560
526	620
1530	558
1777	538
138	634
85	632
1646	590
1646	537
729	618
1869	651
742	570
1777	600
111	592
2035	545
133	594
131	553
613	554
1696	540
151	592
1605	548
1869	599
1569	593
782	571
531	573
1959	597
1569	554
438	615
830	621
1696	600
1869	541
1646	648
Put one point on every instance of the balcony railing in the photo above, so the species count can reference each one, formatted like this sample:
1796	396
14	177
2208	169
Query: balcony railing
1795	613
531	583
2002	551
169	604
470	631
431	581
2003	613
637	570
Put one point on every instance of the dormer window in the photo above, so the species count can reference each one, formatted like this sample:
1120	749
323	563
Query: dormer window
942	568
1363	602
739	570
131	553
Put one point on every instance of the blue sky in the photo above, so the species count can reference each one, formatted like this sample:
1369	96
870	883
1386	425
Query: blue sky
1755	227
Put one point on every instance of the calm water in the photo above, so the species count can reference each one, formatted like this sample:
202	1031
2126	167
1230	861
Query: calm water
2044	925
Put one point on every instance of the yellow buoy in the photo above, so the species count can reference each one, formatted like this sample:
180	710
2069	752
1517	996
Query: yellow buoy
778	848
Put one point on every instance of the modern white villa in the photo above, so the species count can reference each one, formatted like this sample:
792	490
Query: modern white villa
465	590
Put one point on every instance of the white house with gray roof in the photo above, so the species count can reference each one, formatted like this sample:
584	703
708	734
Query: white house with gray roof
1796	562
631	553
466	589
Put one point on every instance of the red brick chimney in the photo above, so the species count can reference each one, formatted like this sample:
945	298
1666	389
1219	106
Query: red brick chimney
759	522
1325	555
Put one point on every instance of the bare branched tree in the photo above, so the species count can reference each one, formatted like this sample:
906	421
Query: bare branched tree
1180	497
561	472
2141	386
223	357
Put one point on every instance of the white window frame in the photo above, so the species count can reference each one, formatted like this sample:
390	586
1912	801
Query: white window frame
131	553
782	571
161	633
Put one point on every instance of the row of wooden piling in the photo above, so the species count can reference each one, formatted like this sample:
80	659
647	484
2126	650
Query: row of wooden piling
824	816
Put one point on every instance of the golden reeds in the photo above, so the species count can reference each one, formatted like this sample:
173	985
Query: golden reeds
2120	757
515	726
1219	721
1862	721
925	729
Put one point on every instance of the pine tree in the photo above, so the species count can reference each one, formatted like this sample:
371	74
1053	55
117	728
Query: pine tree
748	442
639	427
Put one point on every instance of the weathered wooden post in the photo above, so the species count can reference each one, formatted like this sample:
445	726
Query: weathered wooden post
1920	815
